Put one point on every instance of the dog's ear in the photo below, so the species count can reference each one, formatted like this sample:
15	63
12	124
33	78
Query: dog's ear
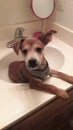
17	45
47	37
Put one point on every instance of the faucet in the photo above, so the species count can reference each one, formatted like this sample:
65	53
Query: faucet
19	32
18	36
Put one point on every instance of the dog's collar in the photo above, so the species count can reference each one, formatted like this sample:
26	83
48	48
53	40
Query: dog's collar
40	73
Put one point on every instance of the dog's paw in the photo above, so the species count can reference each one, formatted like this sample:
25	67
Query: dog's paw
63	94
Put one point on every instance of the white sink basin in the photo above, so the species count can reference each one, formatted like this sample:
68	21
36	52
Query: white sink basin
53	56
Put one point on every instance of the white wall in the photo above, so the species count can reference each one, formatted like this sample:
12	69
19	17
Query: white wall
19	11
15	11
64	13
14	14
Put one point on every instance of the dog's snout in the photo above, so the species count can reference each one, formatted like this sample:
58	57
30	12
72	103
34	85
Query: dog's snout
32	63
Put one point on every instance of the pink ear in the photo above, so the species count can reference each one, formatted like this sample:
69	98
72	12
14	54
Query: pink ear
17	45
47	37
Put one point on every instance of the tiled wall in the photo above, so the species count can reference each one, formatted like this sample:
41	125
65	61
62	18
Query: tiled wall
64	13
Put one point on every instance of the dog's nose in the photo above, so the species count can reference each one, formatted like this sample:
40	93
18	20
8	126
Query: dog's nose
32	63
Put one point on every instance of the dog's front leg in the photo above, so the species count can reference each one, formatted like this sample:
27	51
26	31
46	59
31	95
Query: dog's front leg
39	85
36	84
61	75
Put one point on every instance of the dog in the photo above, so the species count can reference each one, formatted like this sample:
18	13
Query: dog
34	68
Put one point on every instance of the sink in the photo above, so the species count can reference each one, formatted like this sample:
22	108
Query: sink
4	63
54	57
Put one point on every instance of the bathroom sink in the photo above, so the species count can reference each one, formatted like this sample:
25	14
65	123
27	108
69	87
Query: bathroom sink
4	64
53	56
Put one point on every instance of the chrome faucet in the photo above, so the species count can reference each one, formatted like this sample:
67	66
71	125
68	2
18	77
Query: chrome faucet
19	34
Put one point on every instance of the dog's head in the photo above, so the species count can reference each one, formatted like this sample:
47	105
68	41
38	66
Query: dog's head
32	49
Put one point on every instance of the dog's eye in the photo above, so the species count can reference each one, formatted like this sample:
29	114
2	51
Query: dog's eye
38	49
24	51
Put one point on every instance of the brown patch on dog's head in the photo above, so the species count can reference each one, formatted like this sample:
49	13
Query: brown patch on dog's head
32	49
47	37
42	40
